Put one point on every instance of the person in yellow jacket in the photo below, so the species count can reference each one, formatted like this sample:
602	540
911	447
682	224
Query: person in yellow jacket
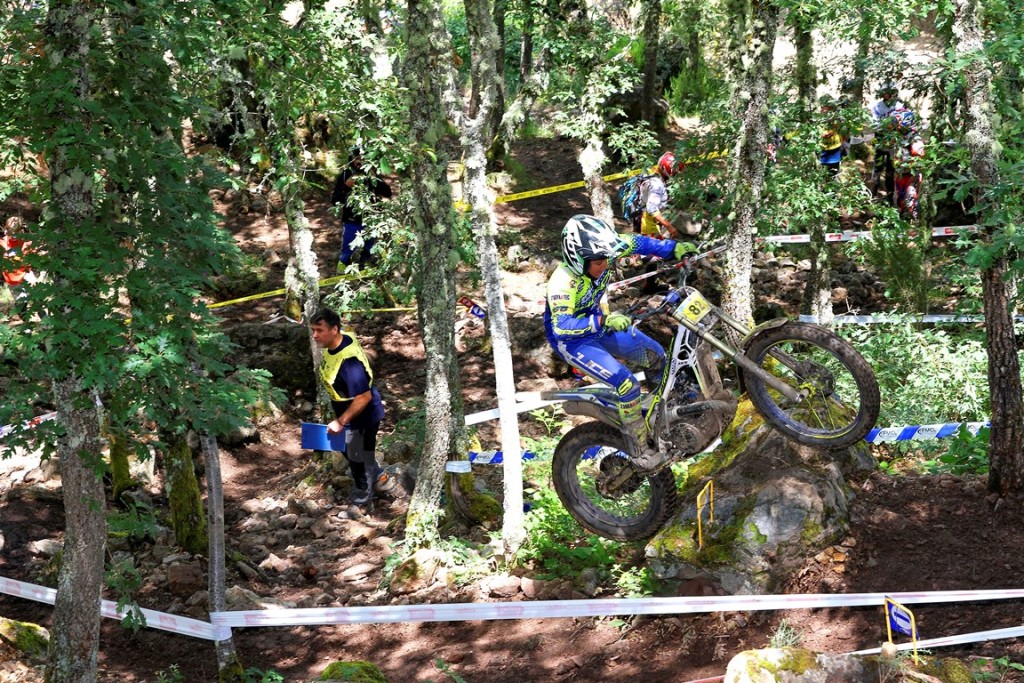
345	374
833	146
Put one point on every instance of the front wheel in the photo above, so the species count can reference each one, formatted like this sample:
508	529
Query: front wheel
598	485
841	397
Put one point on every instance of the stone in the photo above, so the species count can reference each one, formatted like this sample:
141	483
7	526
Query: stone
502	586
276	563
185	579
47	547
358	571
238	598
31	639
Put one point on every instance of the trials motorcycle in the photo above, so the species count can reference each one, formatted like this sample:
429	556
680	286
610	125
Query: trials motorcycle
808	383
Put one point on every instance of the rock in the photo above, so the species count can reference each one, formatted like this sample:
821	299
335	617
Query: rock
276	563
358	571
531	587
501	586
321	527
776	502
416	572
587	581
31	639
359	533
240	435
287	521
238	598
794	665
247	571
185	579
47	547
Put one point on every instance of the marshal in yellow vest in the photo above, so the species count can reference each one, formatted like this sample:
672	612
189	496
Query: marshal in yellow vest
331	363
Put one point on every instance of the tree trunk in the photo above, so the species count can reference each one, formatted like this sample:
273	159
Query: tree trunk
817	299
737	20
526	47
747	175
651	13
74	641
483	35
187	518
865	38
806	74
428	46
228	665
1006	457
119	469
519	111
498	110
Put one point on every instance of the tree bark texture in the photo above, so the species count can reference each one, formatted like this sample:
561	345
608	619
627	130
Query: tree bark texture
483	35
651	13
432	218
228	665
74	640
1006	458
186	501
747	173
737	22
806	74
526	47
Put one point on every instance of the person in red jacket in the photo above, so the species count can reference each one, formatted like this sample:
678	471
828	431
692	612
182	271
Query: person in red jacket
14	270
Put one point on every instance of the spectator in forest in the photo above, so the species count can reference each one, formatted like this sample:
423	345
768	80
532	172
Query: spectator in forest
346	375
889	101
833	144
652	222
351	216
588	337
14	273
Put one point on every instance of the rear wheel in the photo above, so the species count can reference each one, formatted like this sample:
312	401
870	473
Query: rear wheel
841	397
598	485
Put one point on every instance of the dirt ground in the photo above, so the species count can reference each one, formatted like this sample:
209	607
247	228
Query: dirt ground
908	533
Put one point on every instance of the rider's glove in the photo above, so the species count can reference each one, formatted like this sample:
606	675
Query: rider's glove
617	322
684	248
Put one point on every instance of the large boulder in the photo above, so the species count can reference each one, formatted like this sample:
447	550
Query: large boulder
775	504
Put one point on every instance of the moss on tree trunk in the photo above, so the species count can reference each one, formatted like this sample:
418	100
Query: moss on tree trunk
187	517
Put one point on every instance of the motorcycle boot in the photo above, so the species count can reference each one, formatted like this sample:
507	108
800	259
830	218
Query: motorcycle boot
645	455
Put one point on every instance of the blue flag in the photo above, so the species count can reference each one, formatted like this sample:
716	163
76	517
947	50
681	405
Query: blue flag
899	619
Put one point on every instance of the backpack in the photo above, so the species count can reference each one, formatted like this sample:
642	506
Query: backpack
633	196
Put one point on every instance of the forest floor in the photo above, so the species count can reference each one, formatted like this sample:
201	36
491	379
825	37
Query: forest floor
907	533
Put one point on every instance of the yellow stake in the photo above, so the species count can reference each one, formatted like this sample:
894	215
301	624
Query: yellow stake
709	490
913	624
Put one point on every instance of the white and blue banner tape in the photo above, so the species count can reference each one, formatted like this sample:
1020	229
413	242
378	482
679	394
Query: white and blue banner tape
485	458
158	620
890	319
922	432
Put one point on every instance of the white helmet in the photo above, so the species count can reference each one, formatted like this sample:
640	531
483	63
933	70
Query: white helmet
586	238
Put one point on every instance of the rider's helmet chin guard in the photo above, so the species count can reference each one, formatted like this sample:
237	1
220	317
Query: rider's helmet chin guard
588	238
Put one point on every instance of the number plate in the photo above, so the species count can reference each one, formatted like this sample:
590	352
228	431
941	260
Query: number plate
693	308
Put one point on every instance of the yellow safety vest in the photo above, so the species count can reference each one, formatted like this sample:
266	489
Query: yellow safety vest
331	364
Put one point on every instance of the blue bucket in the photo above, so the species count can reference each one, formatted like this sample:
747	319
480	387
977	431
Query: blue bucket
316	438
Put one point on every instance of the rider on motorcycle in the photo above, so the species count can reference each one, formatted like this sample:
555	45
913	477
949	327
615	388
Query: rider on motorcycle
586	335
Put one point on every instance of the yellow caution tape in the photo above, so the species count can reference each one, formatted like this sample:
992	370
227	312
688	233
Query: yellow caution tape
278	292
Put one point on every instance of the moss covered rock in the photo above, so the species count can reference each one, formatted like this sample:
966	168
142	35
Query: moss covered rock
30	639
795	665
775	502
353	672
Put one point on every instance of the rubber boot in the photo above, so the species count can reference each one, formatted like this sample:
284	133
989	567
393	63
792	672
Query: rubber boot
634	429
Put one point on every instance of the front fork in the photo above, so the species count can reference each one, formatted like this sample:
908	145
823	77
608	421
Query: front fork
740	358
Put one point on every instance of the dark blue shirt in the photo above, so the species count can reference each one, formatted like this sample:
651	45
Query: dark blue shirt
353	380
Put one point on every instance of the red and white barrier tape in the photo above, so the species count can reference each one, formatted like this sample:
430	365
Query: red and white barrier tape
159	620
7	429
548	609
